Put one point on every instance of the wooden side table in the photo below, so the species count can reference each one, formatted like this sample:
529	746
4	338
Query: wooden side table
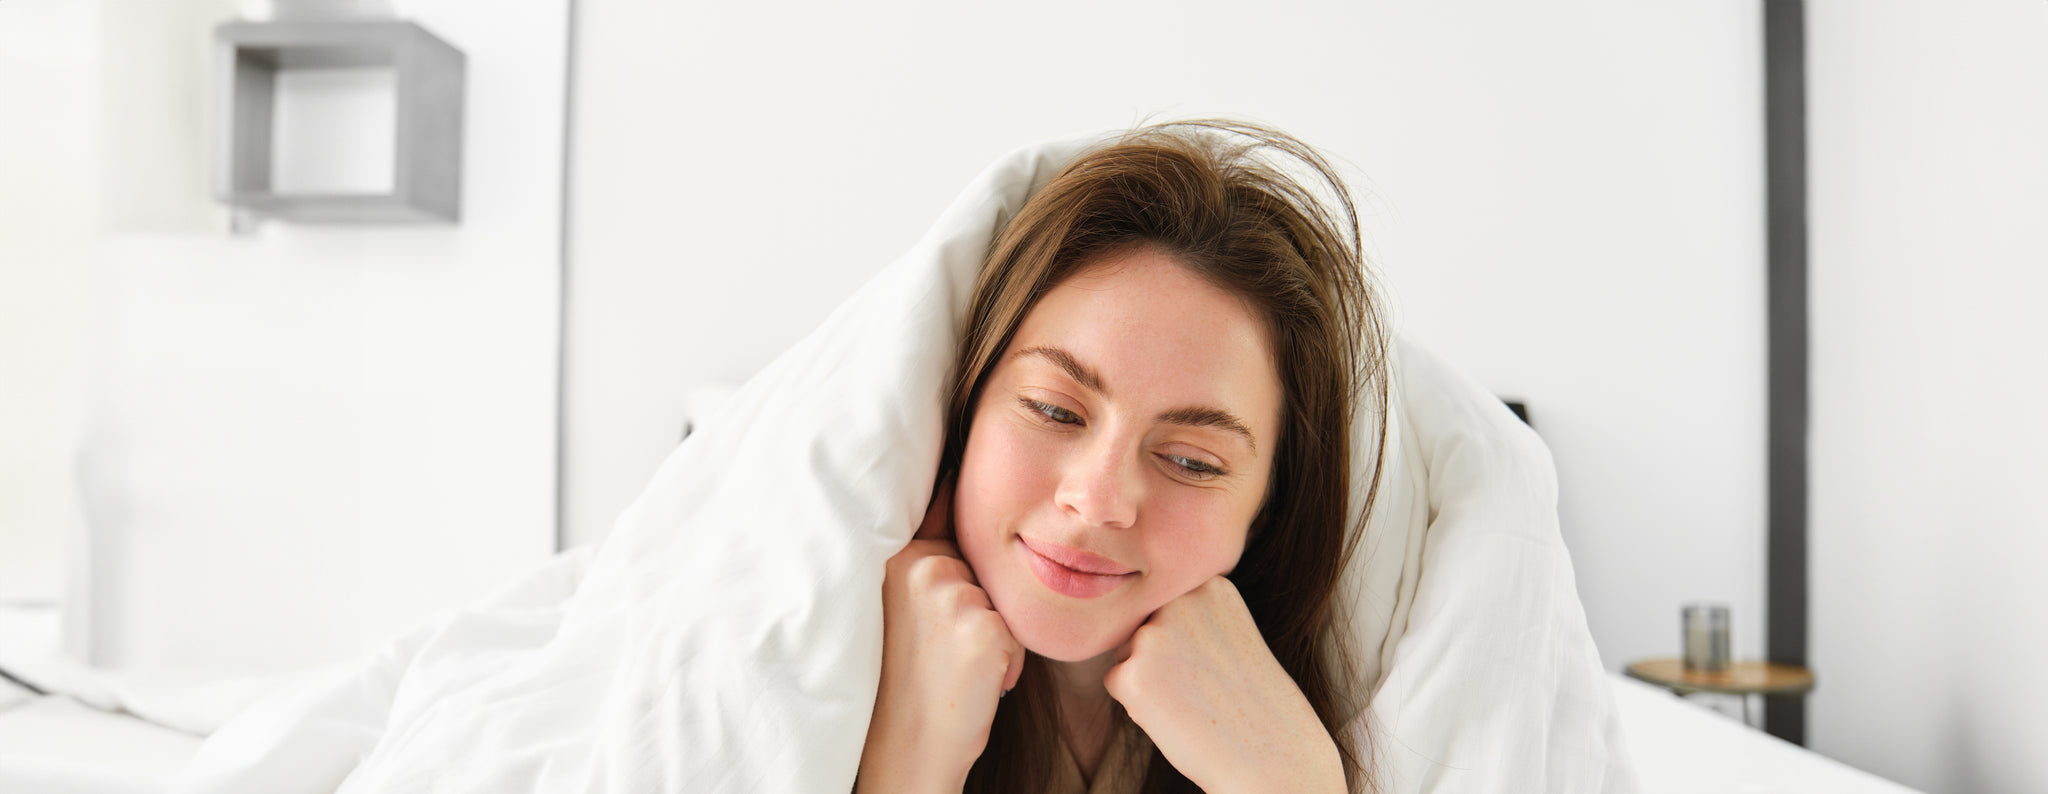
1742	679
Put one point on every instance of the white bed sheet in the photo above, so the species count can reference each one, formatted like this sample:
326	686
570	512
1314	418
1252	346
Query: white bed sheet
85	736
54	745
1683	748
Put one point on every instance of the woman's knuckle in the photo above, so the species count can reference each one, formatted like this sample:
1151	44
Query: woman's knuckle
990	634
927	572
956	598
977	628
899	564
1130	682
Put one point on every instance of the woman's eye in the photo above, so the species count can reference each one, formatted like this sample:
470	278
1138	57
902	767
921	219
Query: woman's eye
1052	413
1193	468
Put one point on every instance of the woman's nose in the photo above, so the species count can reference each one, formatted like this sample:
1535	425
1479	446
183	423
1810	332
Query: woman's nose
1101	486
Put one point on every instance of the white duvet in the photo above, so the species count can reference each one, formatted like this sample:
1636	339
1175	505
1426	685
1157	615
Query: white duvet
727	636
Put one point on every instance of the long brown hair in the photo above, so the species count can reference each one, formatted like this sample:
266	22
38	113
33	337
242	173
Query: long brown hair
1204	193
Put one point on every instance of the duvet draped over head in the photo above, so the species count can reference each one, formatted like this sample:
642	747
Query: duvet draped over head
726	637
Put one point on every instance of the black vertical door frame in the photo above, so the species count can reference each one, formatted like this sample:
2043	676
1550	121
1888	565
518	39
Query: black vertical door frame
1786	335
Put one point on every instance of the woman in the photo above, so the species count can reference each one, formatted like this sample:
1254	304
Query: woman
1126	575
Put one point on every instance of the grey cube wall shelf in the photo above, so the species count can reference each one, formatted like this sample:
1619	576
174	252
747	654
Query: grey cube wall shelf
428	73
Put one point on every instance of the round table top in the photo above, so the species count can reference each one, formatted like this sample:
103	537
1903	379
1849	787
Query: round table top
1741	678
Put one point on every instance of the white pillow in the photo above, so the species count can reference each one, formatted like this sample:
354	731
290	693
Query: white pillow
1485	677
727	636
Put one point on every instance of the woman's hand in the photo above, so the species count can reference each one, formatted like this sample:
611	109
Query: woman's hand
1200	681
946	658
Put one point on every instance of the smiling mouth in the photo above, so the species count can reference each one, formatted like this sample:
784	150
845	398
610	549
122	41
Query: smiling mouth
1075	559
1072	572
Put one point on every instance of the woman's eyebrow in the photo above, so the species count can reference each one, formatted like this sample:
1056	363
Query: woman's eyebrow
1210	417
1073	366
1194	416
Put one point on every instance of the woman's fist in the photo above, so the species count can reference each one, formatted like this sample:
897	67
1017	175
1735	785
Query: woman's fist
1200	681
946	659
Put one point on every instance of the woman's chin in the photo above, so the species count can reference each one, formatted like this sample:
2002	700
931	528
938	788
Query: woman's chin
1065	644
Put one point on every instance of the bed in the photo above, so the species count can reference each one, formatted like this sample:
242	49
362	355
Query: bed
53	742
709	643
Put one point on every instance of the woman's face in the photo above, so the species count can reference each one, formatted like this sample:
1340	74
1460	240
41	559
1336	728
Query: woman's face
1119	451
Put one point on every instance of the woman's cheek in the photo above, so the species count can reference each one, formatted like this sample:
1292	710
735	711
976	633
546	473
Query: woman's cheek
990	495
1195	539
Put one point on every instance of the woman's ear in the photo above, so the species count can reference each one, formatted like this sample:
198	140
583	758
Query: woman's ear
938	518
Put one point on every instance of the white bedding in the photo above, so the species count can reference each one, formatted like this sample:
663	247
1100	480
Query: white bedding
726	637
57	745
1682	748
61	747
95	731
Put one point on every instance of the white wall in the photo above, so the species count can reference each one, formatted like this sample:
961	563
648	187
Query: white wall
1566	198
46	63
1929	147
290	445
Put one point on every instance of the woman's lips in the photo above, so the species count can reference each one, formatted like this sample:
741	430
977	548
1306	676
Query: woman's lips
1072	572
1075	558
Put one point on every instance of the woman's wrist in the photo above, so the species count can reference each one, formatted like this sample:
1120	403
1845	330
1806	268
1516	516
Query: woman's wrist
1311	770
893	760
908	779
1326	771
